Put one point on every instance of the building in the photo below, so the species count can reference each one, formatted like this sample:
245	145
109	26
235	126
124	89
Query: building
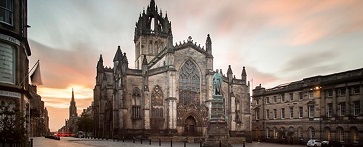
39	119
14	64
73	116
323	107
169	91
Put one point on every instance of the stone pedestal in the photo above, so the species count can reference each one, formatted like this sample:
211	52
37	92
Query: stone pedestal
217	134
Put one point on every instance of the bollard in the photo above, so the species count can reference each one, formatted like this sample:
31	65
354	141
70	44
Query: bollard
159	142
31	142
150	141
141	140
185	143
220	144
123	138
171	142
243	143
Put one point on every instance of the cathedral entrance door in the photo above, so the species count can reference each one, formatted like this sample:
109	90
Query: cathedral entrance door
190	126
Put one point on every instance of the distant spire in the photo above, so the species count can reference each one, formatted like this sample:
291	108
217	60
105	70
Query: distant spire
72	96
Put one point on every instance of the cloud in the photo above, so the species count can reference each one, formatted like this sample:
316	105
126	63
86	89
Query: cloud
307	33
65	102
61	68
259	77
311	64
308	60
80	92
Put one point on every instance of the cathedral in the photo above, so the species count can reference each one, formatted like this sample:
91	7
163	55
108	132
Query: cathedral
169	91
71	123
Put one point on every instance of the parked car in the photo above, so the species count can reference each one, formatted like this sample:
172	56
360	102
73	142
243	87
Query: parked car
313	143
331	144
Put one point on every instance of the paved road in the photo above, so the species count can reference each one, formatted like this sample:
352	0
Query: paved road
81	142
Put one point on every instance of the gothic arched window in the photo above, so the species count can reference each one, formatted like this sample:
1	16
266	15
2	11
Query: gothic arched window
157	102
136	106
189	83
156	47
150	47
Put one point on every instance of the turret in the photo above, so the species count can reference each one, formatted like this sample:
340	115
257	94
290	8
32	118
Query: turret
100	64
118	55
229	74
208	45
244	75
170	46
125	62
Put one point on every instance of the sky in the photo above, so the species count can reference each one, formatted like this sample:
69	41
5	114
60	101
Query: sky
278	41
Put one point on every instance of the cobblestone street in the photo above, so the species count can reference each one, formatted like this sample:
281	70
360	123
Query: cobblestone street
81	142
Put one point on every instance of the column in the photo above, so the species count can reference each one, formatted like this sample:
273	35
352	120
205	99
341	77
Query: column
146	110
233	113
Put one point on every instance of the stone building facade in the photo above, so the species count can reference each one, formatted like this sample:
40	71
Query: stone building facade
169	91
39	119
322	107
14	64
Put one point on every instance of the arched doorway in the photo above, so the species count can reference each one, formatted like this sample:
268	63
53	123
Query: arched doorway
258	134
190	126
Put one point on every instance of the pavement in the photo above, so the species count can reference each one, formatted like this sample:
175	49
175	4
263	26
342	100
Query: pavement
84	142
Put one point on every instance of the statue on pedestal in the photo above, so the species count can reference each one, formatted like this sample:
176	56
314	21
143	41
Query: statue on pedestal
217	83
218	135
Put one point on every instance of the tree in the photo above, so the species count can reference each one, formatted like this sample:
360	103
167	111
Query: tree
85	123
12	125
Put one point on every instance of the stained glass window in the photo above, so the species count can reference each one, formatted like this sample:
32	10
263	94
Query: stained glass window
157	102
136	103
189	83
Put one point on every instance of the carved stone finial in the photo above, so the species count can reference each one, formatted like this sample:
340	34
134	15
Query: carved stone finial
190	39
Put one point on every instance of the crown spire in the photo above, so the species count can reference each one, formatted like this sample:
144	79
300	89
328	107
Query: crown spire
72	95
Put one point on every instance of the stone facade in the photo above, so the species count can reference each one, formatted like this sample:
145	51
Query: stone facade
39	119
322	107
14	64
169	91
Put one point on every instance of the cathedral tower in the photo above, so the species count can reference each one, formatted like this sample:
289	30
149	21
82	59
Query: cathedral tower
72	107
73	116
152	34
